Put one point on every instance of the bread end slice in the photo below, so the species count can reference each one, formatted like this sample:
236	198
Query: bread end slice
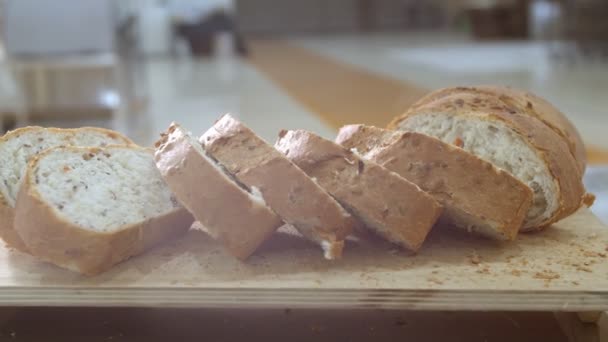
73	225
237	218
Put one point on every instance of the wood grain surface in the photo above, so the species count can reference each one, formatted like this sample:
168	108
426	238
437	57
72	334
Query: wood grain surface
562	268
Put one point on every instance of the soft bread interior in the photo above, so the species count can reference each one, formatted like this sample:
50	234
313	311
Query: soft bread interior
497	143
16	152
102	189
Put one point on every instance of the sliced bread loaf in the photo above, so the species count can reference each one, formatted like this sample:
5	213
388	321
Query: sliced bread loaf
476	196
238	218
387	203
16	149
287	190
502	132
87	209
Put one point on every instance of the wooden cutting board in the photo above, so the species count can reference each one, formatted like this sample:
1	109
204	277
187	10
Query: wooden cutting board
562	268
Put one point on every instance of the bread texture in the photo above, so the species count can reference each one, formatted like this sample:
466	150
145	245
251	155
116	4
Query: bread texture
476	196
287	190
388	204
527	104
236	217
87	209
19	146
512	138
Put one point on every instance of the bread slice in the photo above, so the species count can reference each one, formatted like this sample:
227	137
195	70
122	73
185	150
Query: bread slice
293	195
16	149
87	209
239	219
387	203
495	129
476	196
527	104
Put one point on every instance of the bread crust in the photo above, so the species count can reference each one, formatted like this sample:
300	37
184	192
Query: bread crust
286	189
369	191
53	239
227	211
551	147
7	212
526	104
469	188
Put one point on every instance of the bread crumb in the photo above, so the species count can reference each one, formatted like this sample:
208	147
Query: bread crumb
591	254
516	273
546	275
434	280
584	269
458	142
474	258
484	270
575	282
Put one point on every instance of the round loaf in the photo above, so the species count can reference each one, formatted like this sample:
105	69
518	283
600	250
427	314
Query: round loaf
509	129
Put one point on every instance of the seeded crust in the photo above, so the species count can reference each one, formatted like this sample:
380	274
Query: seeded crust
286	189
236	218
388	204
476	196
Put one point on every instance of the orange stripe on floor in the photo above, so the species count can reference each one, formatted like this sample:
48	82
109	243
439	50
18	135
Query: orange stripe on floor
339	93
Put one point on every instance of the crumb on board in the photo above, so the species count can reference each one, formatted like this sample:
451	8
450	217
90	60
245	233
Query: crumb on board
474	258
584	269
483	270
546	275
516	273
434	280
574	282
593	254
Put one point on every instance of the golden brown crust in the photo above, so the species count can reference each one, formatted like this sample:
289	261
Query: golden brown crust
525	103
7	232
471	190
7	213
55	240
227	212
286	188
391	205
549	145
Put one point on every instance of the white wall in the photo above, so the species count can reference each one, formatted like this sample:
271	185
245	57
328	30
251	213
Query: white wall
58	26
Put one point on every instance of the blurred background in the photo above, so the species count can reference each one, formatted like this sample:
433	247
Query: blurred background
137	65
